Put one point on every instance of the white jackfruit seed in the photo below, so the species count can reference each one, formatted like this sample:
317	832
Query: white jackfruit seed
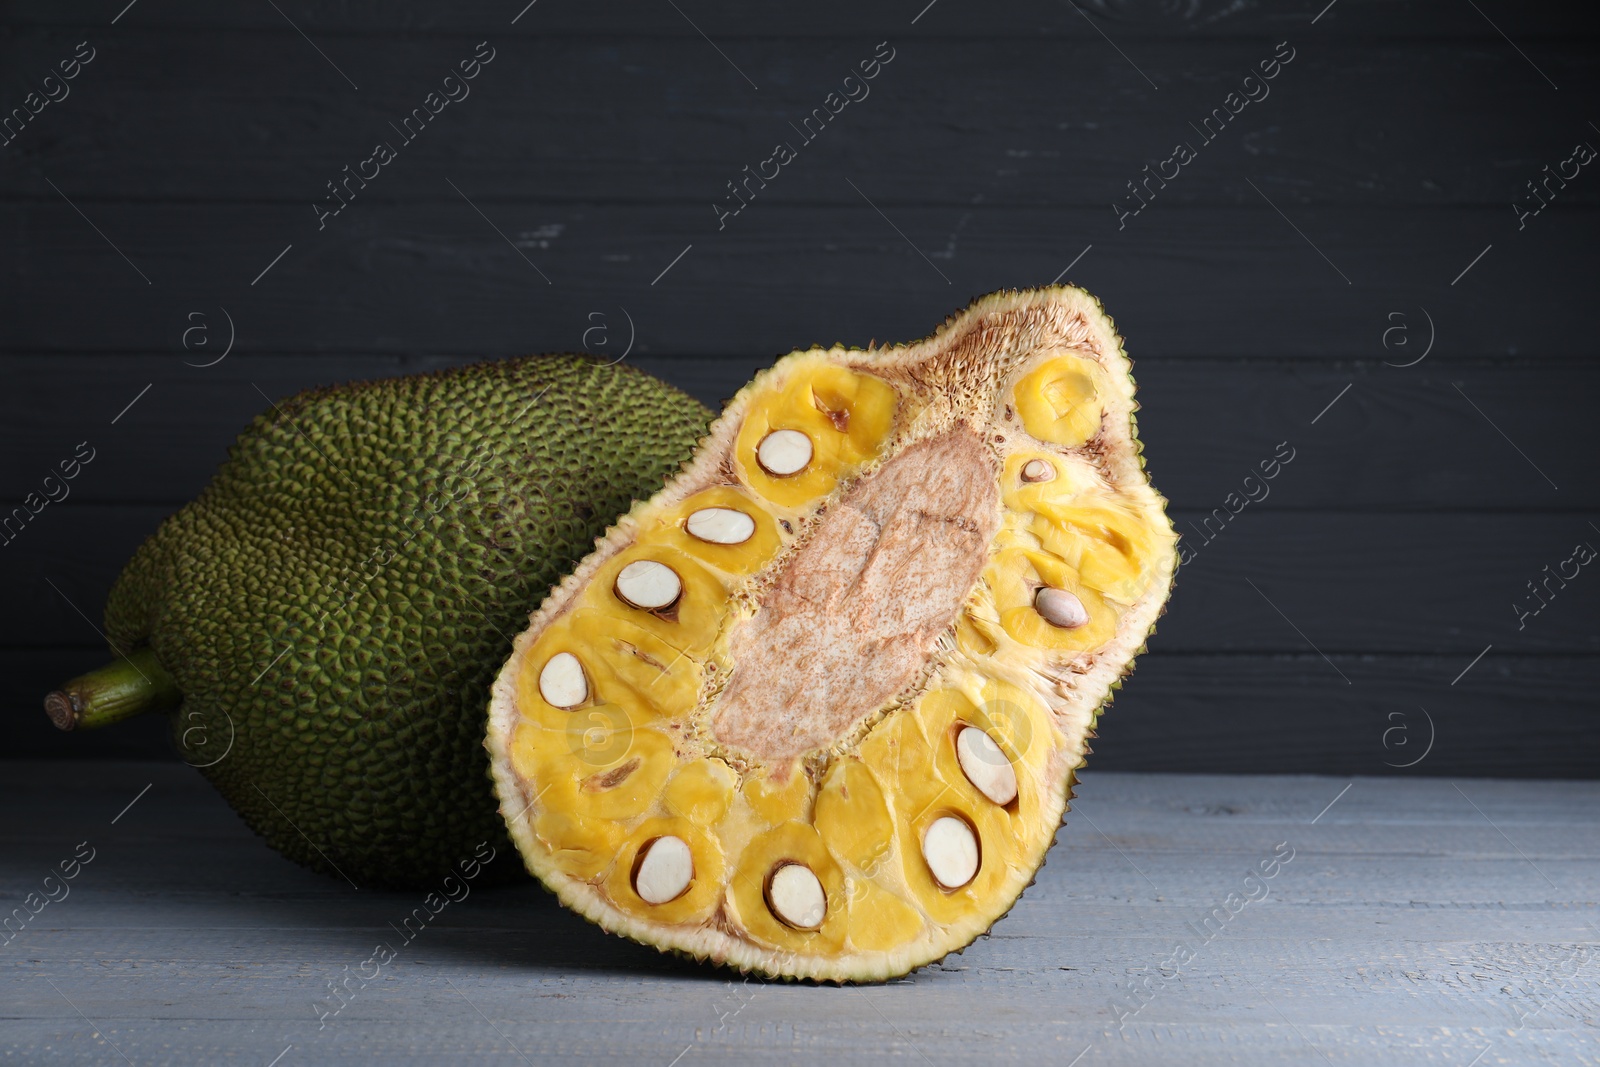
951	850
666	868
784	452
721	526
646	584
562	683
796	896
985	766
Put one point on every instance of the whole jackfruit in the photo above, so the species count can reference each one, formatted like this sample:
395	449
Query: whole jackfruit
324	620
815	709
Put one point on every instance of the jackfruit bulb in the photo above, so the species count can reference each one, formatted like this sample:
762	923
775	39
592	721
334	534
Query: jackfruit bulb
814	710
324	621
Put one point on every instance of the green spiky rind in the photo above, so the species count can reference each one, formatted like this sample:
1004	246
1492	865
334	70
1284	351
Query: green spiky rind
332	605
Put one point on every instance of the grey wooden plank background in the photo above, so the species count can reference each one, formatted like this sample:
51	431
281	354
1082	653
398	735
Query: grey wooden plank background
1215	281
1417	922
1360	215
1453	460
620	94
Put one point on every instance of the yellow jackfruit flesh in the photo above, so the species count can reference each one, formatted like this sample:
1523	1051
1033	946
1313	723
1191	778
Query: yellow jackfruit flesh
814	709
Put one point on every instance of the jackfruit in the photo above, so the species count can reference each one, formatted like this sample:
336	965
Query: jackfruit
841	672
332	608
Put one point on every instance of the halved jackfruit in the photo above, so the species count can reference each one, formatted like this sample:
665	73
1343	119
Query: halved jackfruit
825	694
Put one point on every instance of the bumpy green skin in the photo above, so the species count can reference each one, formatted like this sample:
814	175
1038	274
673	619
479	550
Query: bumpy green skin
335	604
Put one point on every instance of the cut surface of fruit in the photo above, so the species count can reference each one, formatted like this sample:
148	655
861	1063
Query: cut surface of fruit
815	709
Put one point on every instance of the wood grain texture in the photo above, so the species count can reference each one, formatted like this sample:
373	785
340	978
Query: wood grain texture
1511	715
1416	922
1366	201
1351	582
991	121
1402	439
1508	716
1231	282
1405	19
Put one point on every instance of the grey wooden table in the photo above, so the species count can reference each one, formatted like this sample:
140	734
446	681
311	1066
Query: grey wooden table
1405	921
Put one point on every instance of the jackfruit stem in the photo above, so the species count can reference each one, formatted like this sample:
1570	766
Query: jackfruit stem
133	685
